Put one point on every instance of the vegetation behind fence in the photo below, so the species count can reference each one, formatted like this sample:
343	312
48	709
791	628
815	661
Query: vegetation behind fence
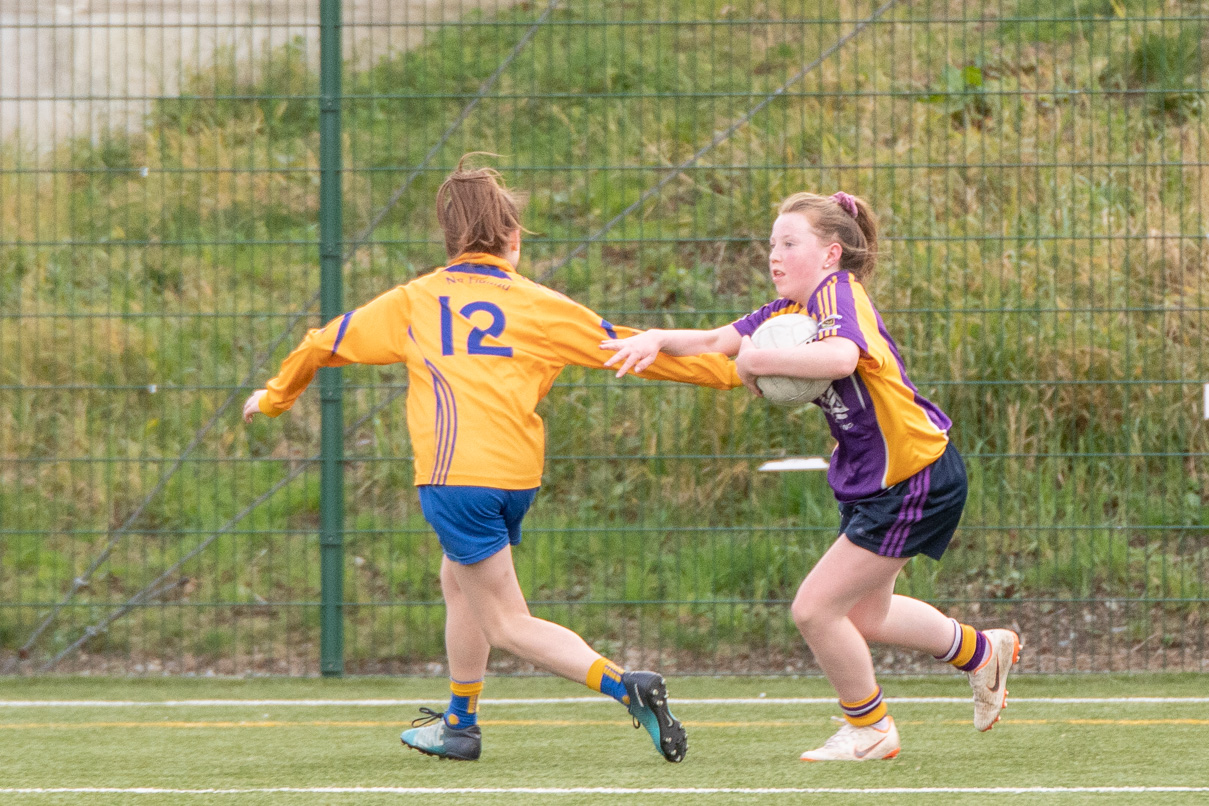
1039	170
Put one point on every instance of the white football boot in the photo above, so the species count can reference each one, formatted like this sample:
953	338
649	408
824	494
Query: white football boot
989	681
851	743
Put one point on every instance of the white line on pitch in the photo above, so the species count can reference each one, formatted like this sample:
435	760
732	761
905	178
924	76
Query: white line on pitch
569	701
405	790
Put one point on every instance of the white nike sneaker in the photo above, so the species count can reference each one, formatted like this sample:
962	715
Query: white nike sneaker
851	743
989	681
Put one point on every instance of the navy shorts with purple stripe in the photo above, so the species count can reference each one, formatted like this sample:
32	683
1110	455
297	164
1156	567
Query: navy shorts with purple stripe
915	516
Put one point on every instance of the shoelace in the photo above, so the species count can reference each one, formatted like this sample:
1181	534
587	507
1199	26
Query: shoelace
634	717
429	717
841	735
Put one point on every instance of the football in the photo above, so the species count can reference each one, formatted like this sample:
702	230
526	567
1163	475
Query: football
788	330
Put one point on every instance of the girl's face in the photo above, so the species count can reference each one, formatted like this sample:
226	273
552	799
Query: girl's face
799	260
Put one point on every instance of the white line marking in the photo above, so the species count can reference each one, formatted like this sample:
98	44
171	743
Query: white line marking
568	701
589	790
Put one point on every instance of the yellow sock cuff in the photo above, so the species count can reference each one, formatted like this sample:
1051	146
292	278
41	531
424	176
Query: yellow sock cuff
466	689
597	671
969	645
871	718
867	711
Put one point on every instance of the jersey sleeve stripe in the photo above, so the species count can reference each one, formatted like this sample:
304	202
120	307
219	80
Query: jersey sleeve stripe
340	333
608	328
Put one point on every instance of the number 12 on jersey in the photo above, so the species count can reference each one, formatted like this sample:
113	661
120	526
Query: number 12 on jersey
474	341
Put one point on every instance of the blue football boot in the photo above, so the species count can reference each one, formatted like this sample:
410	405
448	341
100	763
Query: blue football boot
648	706
431	736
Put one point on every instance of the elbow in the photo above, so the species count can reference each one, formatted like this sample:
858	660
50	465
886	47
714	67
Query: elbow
846	362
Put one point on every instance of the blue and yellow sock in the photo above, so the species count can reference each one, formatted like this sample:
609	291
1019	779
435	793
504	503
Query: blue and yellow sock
463	710
605	676
970	648
863	713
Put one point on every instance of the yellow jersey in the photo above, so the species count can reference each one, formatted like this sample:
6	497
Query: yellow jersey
482	345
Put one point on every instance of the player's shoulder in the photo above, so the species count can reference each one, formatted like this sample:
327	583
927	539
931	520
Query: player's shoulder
841	284
778	307
545	297
421	280
838	279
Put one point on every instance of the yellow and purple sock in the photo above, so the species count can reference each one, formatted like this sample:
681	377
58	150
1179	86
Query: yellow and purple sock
605	676
970	649
866	712
463	710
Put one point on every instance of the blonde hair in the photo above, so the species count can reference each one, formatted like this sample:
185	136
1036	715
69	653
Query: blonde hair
477	213
842	218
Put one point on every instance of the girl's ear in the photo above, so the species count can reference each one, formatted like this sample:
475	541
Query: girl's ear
835	252
514	240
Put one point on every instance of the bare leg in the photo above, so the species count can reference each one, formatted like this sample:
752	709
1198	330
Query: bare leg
903	621
465	644
845	576
493	595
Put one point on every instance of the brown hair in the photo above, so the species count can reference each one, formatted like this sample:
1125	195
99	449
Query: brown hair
832	219
476	211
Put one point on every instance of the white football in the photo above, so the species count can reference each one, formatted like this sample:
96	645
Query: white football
788	330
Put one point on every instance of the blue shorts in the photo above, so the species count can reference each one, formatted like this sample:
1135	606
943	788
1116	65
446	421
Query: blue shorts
915	516
473	523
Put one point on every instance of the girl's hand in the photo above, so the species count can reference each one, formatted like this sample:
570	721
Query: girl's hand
251	406
637	352
742	366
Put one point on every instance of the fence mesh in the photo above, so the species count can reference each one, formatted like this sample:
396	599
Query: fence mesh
1039	174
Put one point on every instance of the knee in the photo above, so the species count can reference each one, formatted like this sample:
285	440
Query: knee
449	582
809	617
501	632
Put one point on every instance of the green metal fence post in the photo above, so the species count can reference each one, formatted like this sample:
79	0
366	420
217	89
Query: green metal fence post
331	225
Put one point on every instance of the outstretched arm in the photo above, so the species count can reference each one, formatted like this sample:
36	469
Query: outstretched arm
372	334
640	351
574	332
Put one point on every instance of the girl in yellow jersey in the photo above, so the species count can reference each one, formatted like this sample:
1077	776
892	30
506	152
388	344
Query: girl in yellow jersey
483	345
900	484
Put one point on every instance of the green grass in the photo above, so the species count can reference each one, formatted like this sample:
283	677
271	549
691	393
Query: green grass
586	745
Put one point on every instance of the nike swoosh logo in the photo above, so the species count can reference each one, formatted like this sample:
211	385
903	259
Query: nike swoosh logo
867	750
995	685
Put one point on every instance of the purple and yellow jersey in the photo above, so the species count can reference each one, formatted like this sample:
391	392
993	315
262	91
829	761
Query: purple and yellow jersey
885	430
483	346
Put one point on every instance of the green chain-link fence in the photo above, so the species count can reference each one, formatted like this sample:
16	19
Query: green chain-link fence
1039	170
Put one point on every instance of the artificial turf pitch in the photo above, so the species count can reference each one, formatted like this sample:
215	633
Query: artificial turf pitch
1136	739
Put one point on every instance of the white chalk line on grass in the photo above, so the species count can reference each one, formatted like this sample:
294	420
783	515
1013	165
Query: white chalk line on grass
569	701
589	790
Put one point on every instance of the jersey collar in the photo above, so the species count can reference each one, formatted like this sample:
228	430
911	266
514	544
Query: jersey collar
482	257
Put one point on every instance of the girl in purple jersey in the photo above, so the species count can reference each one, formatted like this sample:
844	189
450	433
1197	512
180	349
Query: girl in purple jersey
900	484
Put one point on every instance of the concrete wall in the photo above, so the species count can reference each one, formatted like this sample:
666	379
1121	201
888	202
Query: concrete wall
71	69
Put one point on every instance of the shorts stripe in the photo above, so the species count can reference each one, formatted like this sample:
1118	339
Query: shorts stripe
910	514
887	547
917	508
